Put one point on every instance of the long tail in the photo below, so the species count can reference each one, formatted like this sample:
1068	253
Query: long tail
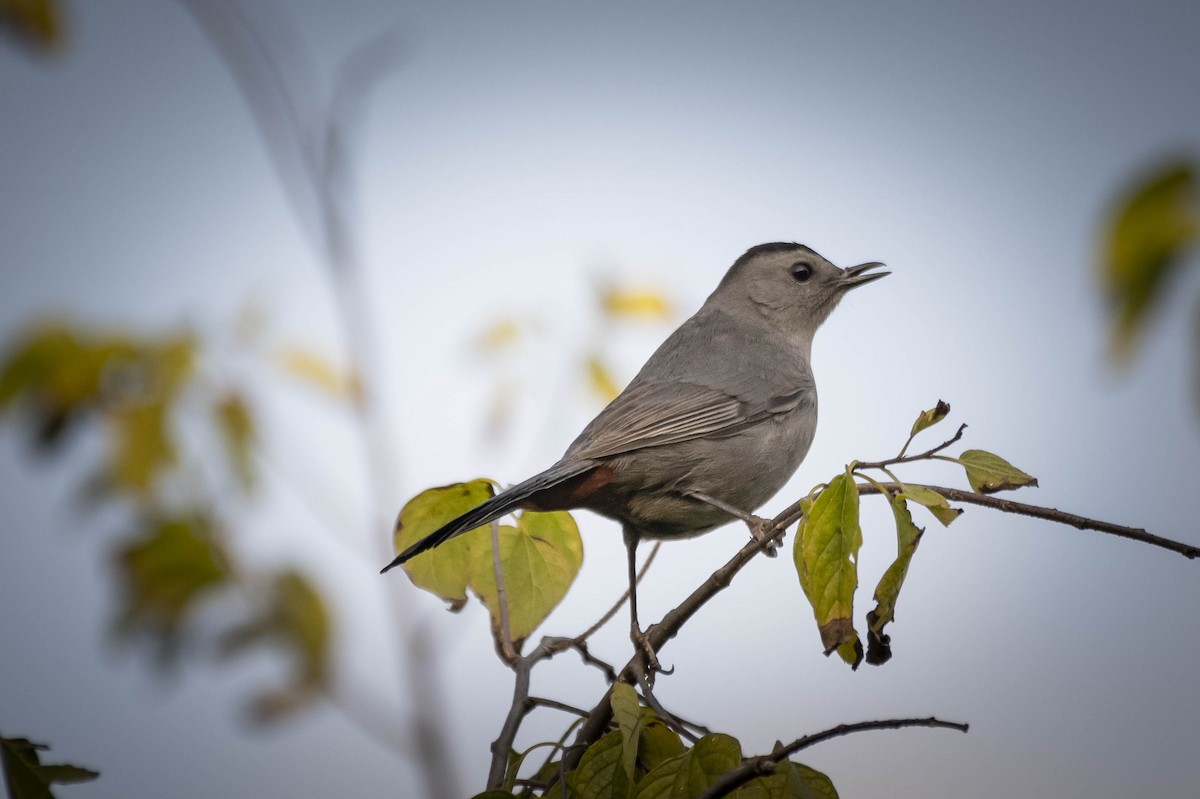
494	508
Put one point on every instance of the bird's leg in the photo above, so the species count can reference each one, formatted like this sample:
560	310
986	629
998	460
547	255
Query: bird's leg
640	641
760	529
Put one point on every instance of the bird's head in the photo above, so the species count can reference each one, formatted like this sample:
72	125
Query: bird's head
790	285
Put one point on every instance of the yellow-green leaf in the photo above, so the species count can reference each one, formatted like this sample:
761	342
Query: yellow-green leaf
444	570
908	535
141	445
933	501
600	774
930	417
600	379
163	575
826	554
26	777
238	432
1155	224
539	559
319	372
690	773
627	713
634	303
987	472
789	781
659	743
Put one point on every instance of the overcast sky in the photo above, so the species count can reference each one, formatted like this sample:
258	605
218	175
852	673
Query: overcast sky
519	151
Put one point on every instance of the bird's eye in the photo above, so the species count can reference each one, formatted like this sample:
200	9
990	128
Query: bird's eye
801	272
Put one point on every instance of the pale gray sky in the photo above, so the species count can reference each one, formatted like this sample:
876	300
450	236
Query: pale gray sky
519	149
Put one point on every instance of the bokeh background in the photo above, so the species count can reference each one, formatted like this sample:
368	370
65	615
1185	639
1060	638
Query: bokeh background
517	156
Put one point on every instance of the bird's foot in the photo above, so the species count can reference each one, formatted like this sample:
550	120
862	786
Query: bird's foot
765	530
641	643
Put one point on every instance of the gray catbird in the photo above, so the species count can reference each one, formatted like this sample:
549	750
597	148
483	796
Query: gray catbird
712	426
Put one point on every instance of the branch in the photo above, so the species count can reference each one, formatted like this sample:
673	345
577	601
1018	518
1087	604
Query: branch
901	458
1049	514
662	632
759	766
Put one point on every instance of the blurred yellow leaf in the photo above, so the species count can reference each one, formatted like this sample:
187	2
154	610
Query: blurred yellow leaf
444	571
163	574
296	620
600	379
141	447
238	431
539	559
38	24
498	335
1155	223
621	302
319	372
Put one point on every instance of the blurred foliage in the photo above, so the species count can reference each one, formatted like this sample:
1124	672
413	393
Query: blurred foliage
321	374
26	777
506	339
36	24
177	554
1152	233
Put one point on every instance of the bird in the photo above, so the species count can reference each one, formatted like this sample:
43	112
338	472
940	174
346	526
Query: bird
713	425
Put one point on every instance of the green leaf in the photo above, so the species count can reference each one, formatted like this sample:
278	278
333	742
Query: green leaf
444	570
1154	225
933	501
26	777
908	535
493	795
690	773
539	558
600	774
826	554
659	743
988	473
627	712
164	575
238	432
295	620
788	781
930	417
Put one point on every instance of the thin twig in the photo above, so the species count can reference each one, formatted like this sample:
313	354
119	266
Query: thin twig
554	704
758	766
901	458
507	651
667	718
521	705
607	617
1049	514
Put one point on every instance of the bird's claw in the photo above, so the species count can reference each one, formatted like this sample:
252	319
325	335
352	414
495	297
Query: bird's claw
641	642
765	530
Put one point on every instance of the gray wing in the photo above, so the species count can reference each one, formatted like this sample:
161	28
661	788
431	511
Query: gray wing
713	377
655	414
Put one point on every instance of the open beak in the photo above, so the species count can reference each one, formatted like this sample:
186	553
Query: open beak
855	276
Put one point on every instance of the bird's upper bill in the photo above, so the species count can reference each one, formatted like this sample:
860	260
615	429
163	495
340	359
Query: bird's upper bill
855	276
